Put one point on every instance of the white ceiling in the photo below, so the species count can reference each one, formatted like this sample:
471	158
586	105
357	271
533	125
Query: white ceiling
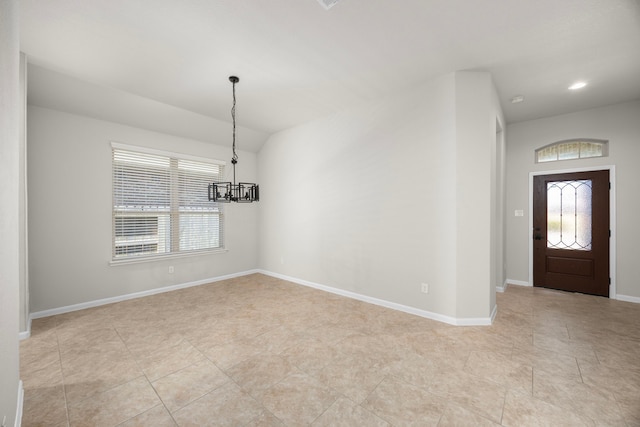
297	61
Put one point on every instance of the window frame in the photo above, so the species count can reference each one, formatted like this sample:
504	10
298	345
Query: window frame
174	213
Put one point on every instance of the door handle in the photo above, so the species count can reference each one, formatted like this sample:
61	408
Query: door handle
537	235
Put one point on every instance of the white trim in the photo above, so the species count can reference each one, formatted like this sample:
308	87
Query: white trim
479	321
628	298
504	286
471	321
24	309
612	218
138	149
111	300
516	282
20	406
25	334
612	241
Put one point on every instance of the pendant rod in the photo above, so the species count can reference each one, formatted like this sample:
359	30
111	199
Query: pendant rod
234	158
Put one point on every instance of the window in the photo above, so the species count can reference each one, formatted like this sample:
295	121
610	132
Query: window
572	149
160	204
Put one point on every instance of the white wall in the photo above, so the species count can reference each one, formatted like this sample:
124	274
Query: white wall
620	125
9	210
367	200
69	166
478	170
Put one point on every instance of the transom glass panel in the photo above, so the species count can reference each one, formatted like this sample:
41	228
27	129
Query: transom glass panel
572	149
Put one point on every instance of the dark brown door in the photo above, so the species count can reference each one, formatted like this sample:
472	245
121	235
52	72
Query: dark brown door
571	232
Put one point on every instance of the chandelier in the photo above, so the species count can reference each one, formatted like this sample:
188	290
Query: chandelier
242	192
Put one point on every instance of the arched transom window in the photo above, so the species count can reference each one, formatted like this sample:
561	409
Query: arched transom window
572	149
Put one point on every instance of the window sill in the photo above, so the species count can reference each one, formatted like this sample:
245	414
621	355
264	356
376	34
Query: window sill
140	260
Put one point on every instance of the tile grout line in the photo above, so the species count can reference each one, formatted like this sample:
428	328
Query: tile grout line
64	384
580	371
183	339
504	401
375	414
333	403
146	377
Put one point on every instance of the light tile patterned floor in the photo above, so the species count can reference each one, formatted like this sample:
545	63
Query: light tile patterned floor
258	351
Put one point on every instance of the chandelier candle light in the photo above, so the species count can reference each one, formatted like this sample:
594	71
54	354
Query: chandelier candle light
242	192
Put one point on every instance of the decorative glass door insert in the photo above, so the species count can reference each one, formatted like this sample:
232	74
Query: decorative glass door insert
569	214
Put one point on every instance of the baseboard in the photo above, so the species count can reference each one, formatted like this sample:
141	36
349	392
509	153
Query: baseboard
480	321
502	288
628	298
516	282
111	300
25	334
20	405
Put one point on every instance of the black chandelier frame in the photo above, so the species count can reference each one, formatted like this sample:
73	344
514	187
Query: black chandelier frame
241	192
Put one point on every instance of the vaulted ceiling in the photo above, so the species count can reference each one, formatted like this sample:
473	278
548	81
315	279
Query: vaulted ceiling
297	61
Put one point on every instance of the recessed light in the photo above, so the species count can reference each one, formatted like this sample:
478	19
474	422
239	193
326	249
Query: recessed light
577	85
516	99
328	4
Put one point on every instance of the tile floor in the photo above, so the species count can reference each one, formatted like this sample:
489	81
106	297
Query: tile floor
258	351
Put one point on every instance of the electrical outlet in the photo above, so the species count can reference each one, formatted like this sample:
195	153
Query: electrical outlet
425	288
171	269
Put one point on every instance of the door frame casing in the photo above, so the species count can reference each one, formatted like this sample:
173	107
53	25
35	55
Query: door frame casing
612	218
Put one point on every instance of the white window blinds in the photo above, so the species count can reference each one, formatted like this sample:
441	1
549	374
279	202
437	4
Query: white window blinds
160	204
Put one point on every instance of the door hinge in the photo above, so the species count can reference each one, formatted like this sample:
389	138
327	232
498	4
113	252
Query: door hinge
609	233
609	185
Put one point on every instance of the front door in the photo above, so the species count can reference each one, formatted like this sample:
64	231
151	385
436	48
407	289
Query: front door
571	232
